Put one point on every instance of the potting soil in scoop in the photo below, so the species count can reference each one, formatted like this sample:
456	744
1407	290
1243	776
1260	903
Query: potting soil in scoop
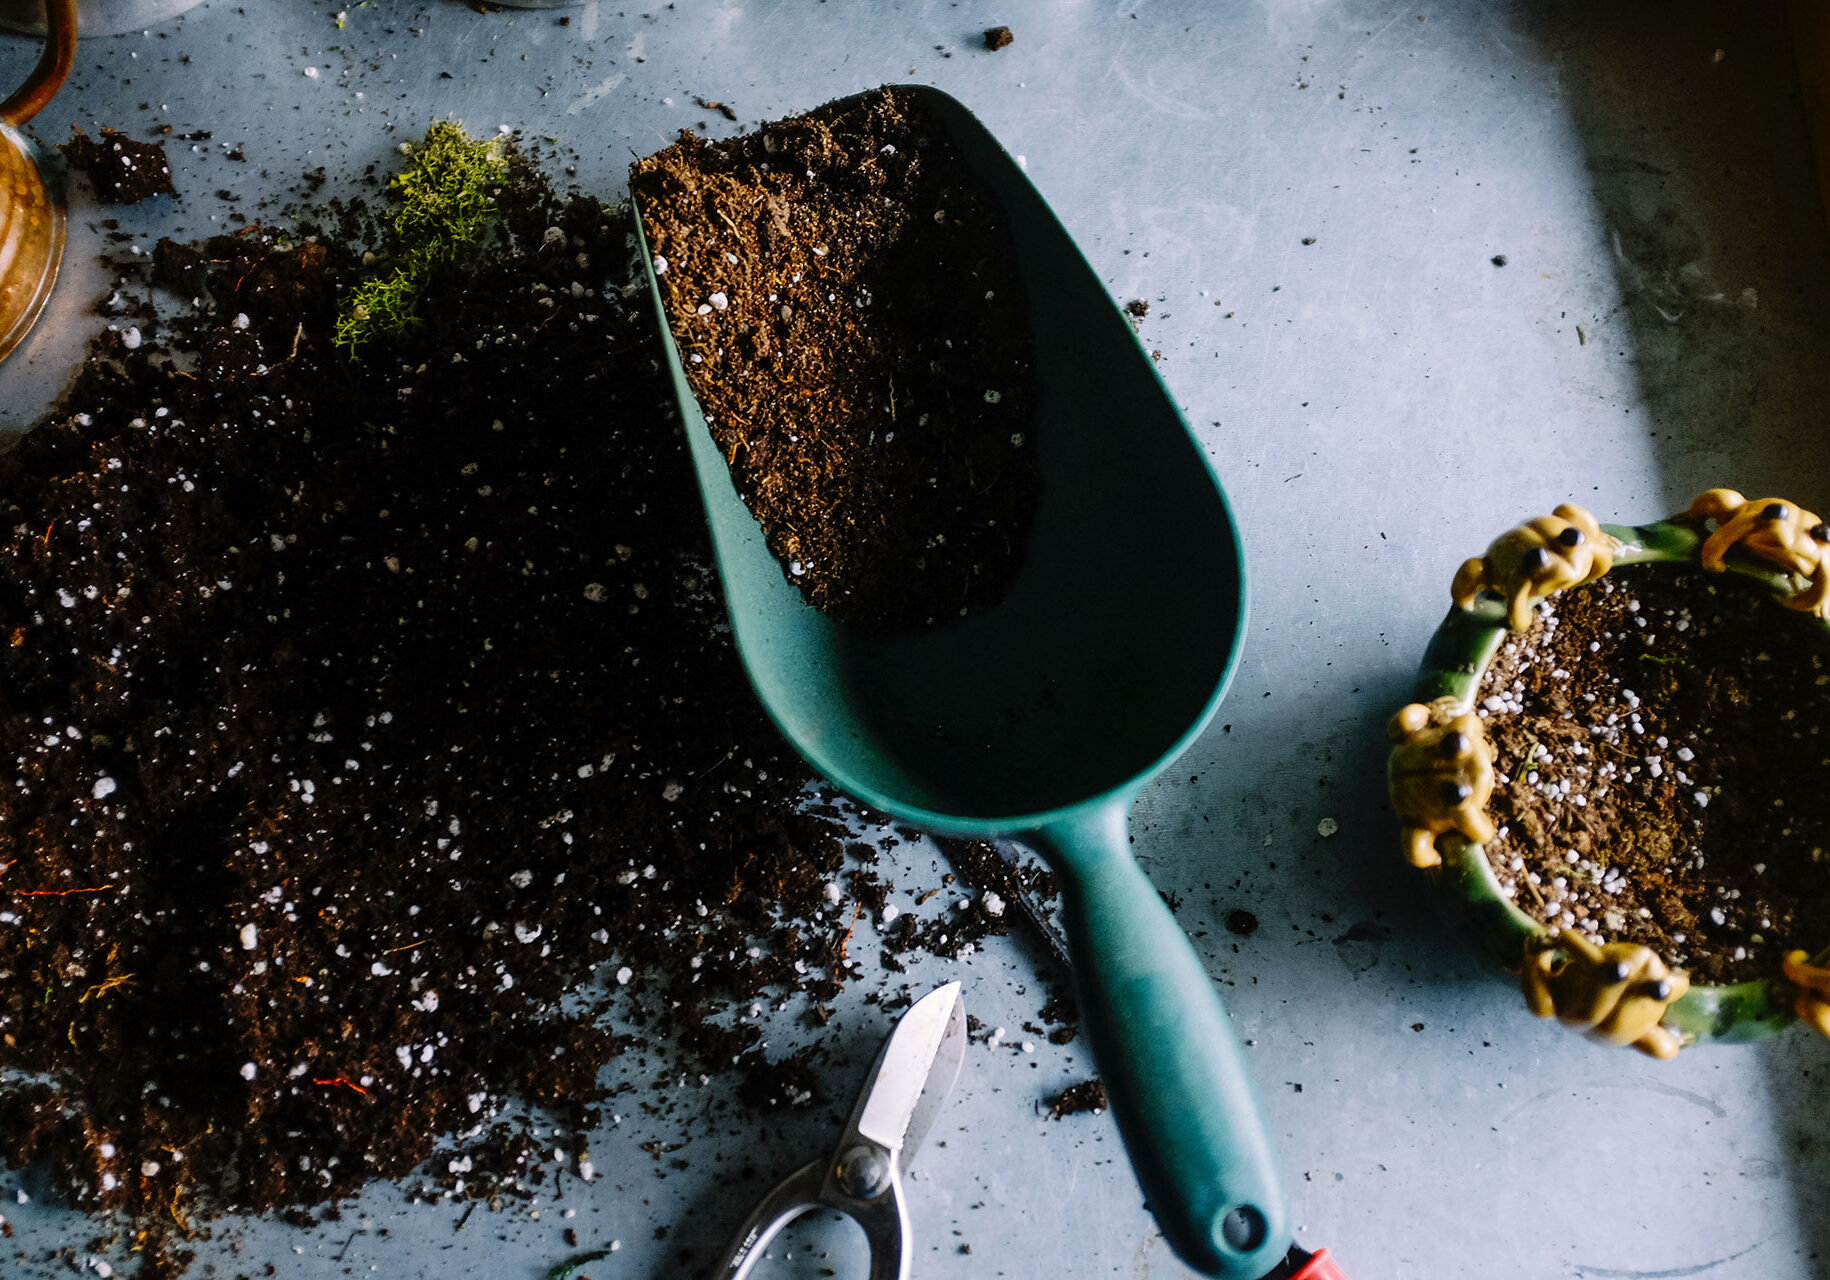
360	718
1660	750
845	298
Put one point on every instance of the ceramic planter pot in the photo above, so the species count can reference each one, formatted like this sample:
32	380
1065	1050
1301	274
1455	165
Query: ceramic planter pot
1441	768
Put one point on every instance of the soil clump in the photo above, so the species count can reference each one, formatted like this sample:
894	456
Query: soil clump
1088	1095
120	169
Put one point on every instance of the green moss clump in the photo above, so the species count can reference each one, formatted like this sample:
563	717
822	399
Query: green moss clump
447	204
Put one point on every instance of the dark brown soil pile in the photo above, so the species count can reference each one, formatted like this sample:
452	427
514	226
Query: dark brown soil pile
845	298
371	727
1658	739
120	169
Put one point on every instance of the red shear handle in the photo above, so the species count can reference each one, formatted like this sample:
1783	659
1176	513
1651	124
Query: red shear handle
1319	1267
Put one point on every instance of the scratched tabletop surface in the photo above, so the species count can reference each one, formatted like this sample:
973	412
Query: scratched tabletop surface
1415	272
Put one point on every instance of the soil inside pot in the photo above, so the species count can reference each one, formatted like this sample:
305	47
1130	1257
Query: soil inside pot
1660	769
846	301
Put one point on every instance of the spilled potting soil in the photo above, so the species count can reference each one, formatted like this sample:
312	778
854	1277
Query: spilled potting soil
845	297
379	755
1660	751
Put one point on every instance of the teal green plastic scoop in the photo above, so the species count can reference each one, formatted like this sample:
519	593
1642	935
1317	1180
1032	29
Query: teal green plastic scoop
1041	718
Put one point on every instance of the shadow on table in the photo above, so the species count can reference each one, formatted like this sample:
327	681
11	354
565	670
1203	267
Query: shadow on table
1798	1072
1702	173
1703	178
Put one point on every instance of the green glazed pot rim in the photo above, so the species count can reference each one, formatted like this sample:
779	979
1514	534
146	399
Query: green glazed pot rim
1459	653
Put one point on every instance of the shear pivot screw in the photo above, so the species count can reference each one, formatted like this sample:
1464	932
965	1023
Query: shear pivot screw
864	1172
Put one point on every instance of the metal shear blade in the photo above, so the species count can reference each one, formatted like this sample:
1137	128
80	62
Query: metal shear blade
909	1082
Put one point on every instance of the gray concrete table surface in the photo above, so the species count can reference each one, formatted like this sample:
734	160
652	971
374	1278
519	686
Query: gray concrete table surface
1379	403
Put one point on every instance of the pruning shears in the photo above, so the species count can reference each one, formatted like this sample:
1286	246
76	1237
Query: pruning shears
862	1178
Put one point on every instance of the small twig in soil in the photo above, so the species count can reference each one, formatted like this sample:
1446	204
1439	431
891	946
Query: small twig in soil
714	764
297	335
845	941
177	1213
346	1082
102	988
1532	889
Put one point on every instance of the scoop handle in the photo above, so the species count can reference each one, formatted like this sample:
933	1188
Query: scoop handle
1174	1076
